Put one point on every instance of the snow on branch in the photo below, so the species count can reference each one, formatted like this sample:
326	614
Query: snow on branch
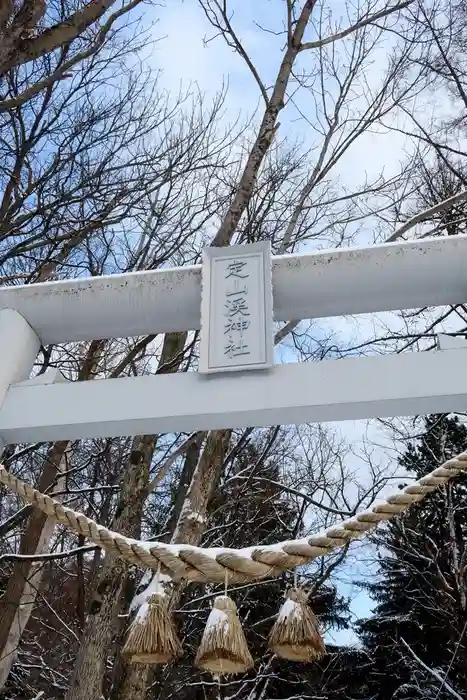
48	556
444	684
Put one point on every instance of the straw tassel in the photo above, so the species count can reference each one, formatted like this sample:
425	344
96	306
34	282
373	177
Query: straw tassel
152	638
295	635
223	649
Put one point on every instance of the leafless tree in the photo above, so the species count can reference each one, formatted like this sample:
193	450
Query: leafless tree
133	168
64	34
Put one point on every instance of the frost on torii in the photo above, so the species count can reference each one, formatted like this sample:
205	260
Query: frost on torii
234	297
236	333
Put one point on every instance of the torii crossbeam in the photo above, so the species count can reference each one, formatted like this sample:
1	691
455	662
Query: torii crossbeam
330	283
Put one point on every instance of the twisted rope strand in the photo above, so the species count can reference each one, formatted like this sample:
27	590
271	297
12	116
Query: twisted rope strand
236	565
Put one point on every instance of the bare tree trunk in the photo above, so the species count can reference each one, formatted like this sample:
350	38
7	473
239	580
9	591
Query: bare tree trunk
18	599
17	602
189	466
266	133
125	674
89	672
189	530
88	675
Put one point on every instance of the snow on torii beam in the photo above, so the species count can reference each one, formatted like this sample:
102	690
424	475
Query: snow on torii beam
331	390
396	276
316	285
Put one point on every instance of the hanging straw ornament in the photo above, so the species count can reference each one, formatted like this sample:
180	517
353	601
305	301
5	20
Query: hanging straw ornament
295	635
223	649
152	638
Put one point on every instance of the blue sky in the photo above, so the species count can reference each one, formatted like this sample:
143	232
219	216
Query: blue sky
185	58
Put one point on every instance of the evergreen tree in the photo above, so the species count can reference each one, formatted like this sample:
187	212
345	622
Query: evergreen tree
421	591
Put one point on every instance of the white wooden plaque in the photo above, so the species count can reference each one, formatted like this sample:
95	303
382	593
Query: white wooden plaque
236	309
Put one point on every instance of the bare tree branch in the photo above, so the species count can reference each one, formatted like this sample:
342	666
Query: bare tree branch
63	69
295	492
54	37
234	42
193	439
444	684
358	25
49	556
427	214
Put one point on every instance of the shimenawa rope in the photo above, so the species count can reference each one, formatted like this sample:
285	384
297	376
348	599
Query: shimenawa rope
237	565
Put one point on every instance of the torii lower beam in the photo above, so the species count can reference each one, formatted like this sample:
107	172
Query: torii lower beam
331	390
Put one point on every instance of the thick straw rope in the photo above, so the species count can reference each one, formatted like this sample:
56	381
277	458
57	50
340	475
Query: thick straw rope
235	565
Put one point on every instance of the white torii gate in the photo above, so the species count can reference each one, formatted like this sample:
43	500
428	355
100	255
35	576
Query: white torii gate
331	283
